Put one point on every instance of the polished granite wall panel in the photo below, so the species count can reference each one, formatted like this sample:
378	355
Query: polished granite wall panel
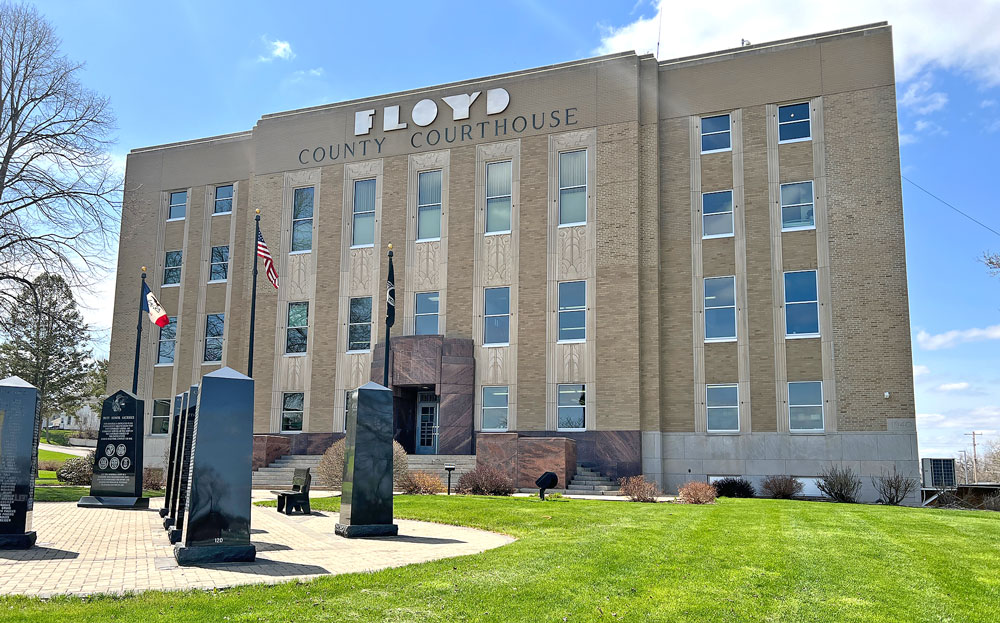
313	443
269	448
615	454
498	450
537	455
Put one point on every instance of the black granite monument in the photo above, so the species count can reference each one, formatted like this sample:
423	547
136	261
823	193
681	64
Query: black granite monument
19	427
178	404
182	466
366	501
117	481
216	523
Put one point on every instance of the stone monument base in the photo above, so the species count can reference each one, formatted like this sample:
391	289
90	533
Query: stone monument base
355	531
174	535
103	501
163	512
207	554
168	522
17	541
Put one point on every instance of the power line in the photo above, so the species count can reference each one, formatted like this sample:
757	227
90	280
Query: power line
977	222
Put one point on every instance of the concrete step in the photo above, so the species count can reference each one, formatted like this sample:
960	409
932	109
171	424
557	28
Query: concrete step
576	487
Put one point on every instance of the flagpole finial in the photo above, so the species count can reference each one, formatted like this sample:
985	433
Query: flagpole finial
143	269
257	210
390	246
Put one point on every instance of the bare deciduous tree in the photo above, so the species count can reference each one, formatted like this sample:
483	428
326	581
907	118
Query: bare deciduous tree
57	185
992	261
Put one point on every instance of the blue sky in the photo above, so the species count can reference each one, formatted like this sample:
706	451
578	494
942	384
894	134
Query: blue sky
182	70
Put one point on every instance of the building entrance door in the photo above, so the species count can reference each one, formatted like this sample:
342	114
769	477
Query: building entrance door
427	423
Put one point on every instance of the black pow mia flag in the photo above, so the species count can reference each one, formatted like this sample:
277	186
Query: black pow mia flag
390	296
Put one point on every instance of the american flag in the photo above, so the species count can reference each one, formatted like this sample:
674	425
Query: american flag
269	270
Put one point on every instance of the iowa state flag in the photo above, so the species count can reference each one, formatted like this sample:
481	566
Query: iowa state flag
151	306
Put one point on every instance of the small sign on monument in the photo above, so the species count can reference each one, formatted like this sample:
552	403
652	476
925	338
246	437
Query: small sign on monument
117	480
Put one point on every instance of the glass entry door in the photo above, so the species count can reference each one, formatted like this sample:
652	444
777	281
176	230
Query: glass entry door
427	423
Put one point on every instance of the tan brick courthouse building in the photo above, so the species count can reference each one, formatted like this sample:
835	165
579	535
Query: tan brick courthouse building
685	268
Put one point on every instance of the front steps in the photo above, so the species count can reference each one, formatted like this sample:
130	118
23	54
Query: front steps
278	475
586	482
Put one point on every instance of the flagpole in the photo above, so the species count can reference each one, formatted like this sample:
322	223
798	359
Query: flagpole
253	296
138	335
385	366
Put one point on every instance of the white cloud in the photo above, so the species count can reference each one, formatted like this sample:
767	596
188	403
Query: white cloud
920	370
950	339
907	139
927	34
929	127
276	49
921	98
994	126
987	103
952	387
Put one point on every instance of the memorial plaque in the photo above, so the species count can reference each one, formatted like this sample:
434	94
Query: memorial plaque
217	515
366	500
178	403
19	426
117	480
175	520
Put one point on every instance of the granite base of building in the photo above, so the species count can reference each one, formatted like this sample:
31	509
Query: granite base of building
17	541
124	503
210	554
363	531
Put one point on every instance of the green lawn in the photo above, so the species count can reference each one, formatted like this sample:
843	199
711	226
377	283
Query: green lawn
575	560
51	493
51	455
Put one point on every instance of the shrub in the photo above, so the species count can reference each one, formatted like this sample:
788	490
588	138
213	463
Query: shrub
49	465
421	483
58	437
77	471
638	489
840	484
485	480
153	479
893	487
992	502
781	487
695	492
331	467
734	487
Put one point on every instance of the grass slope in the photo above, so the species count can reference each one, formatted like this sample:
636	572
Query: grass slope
575	560
51	455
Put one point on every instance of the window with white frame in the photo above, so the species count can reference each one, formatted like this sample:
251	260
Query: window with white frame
572	406
723	408
717	214
426	309
429	205
572	311
801	304
363	229
805	406
214	328
223	199
797	206
291	411
495	405
297	332
302	219
716	134
793	123
167	342
496	322
359	330
172	267
573	187
219	270
720	308
160	424
178	205
498	197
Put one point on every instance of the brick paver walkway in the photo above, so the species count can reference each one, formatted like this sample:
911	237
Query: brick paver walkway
84	551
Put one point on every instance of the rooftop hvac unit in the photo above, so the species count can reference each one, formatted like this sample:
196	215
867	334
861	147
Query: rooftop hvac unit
938	473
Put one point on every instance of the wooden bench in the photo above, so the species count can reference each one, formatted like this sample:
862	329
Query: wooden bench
297	499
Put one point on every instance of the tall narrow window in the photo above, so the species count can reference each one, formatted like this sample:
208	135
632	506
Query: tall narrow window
178	205
359	330
793	123
496	331
498	197
805	406
297	333
291	411
797	206
302	219
172	268
573	187
363	232
715	134
223	199
572	311
572	407
160	424
801	304
720	308
429	205
717	214
167	342
495	405
220	264
723	408
214	326
426	307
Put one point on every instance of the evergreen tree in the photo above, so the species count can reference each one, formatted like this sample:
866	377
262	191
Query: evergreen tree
47	346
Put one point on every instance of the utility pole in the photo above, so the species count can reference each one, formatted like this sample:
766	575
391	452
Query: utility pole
965	466
975	464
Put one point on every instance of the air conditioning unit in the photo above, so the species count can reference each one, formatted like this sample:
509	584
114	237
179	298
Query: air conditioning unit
938	473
